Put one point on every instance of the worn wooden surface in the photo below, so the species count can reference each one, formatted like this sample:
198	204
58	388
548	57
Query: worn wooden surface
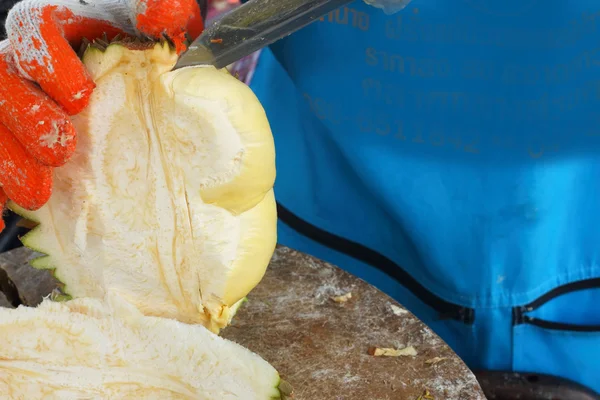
318	345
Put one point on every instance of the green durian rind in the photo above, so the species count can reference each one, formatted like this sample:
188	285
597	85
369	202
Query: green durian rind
31	240
285	390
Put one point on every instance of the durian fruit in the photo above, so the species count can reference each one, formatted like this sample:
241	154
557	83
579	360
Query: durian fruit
168	200
106	349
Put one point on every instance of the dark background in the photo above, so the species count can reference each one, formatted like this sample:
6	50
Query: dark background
5	5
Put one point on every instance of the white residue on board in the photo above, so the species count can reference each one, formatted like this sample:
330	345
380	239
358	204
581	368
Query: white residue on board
397	310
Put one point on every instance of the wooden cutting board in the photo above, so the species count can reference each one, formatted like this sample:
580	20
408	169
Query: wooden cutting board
318	341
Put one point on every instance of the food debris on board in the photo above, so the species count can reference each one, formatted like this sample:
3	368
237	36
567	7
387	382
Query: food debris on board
435	360
397	310
343	298
390	352
426	396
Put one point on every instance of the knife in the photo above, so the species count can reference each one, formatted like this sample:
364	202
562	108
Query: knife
252	26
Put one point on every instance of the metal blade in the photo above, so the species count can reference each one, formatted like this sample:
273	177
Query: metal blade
252	26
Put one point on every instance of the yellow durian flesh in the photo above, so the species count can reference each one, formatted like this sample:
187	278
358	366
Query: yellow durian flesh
106	349
168	200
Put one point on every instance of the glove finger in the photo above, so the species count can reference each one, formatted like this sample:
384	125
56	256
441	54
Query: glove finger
173	18
42	36
40	125
25	180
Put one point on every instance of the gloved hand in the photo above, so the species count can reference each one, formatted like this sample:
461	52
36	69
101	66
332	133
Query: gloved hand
42	80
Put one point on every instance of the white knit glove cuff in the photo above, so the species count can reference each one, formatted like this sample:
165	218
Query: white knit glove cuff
26	17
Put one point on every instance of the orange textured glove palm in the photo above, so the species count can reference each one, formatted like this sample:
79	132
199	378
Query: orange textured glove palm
43	81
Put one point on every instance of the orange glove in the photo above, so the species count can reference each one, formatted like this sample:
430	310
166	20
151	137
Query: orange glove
42	80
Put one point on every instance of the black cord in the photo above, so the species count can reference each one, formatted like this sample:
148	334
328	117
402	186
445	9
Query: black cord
203	8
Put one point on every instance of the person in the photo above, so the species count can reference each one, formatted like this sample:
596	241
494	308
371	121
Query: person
448	154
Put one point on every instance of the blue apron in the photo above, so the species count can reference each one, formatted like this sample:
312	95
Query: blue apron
450	155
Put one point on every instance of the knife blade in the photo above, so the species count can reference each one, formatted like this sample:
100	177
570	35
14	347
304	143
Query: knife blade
252	26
